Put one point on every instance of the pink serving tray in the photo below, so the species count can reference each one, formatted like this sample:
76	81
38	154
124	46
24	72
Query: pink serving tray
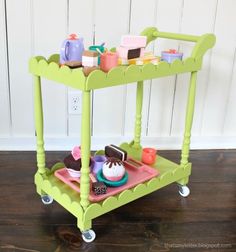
137	173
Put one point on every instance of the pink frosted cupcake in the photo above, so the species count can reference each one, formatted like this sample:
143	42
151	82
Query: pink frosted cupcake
113	169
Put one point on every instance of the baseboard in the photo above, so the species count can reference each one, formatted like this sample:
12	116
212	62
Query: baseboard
163	143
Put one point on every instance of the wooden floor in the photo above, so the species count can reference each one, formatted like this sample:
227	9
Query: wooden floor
161	221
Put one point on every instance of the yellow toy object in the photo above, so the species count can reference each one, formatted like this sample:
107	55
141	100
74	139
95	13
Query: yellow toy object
147	58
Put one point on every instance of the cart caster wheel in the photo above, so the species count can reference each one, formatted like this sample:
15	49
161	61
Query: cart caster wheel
46	199
184	191
88	235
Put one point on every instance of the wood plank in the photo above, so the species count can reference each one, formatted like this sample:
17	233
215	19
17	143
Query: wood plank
205	24
163	219
109	103
142	16
230	118
4	91
19	48
48	34
162	90
220	70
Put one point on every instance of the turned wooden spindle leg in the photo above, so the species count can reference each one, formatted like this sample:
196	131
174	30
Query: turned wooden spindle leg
85	150
138	116
38	108
189	120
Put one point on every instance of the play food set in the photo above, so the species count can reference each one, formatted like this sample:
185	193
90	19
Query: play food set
73	162
72	49
135	173
78	198
131	46
130	52
99	188
115	151
113	169
171	55
90	58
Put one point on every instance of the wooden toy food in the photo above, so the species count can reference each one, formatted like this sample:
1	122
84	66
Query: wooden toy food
132	46
99	188
90	58
116	152
113	169
73	162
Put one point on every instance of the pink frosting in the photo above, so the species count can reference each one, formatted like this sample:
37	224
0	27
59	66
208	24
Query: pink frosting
114	178
76	152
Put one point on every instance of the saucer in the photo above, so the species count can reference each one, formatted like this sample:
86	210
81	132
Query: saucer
121	182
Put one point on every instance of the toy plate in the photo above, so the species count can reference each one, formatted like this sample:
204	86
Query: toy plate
107	182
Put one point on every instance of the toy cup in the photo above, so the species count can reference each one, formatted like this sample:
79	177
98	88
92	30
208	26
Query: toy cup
149	156
98	162
108	61
100	48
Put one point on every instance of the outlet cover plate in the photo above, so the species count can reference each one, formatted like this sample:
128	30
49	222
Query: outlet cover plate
75	102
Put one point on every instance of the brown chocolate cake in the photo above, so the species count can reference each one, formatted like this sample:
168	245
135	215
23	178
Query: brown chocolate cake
70	162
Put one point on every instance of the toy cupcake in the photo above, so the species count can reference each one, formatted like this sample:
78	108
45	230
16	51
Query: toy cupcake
113	169
73	162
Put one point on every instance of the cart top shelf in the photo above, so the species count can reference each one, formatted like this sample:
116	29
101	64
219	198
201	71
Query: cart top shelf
75	78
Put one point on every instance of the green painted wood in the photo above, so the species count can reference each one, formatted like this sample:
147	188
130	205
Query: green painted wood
78	204
204	43
189	120
177	36
138	116
51	70
38	112
127	74
60	192
133	152
169	173
85	150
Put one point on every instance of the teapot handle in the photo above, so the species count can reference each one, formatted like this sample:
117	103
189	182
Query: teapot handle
65	51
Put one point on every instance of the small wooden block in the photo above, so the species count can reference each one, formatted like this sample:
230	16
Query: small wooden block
99	188
73	64
90	53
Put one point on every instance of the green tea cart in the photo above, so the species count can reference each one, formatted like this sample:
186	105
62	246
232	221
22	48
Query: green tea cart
50	187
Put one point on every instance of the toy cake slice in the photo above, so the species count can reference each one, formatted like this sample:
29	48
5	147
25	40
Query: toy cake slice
115	151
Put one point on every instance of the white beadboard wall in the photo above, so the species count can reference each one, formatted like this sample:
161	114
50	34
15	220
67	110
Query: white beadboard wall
38	27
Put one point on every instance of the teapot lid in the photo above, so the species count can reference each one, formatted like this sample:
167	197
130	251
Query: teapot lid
73	36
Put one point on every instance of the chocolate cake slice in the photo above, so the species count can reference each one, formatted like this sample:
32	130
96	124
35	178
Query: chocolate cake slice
70	162
116	152
99	188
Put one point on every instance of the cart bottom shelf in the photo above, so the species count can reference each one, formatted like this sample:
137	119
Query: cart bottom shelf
48	184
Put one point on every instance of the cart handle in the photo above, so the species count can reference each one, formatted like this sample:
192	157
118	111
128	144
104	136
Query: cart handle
203	42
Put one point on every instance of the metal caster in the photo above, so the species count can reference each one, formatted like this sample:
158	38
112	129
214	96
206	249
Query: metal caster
88	235
46	199
184	191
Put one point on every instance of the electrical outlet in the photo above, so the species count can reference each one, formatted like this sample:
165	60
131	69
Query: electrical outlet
75	102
